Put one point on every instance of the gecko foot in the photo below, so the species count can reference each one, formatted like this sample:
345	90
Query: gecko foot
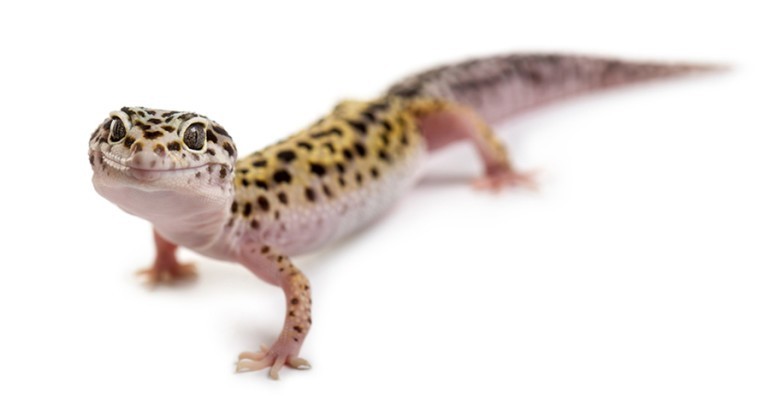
496	180
168	273
275	358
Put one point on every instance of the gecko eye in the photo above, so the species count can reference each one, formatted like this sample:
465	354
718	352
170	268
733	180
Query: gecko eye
117	130
195	137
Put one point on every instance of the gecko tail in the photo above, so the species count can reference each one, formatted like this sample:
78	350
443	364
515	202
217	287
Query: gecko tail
500	86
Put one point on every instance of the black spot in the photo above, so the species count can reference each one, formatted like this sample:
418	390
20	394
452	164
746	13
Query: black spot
129	141
359	178
167	128
360	127
263	203
127	111
222	172
360	149
245	182
159	150
141	113
283	198
155	121
261	184
374	107
234	207
340	167
327	191
387	125
186	116
331	147
211	152
375	172
287	155
384	156
369	116
229	148
294	301
143	126
220	130
259	163
282	176
247	209
210	136
329	132
153	134
254	224
305	145
318	170
347	153
298	329
265	249
168	114
341	181
310	194
174	146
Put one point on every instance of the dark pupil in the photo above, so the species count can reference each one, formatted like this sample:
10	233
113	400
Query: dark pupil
194	136
118	131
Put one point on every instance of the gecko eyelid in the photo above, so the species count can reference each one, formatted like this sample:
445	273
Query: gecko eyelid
117	130
194	137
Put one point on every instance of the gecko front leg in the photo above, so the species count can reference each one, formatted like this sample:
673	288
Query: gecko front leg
278	270
166	267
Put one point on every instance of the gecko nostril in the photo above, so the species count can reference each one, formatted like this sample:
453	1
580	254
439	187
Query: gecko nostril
159	150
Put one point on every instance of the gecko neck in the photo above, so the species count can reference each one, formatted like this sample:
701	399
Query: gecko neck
191	217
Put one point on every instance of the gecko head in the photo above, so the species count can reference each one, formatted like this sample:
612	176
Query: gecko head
139	152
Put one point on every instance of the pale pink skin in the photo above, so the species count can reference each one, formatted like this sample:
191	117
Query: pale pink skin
195	217
188	201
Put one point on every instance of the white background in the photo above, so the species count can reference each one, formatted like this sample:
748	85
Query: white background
638	274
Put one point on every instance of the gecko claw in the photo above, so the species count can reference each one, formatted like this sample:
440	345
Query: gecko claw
498	180
298	363
168	274
249	361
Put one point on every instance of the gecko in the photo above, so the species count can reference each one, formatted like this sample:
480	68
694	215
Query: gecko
180	170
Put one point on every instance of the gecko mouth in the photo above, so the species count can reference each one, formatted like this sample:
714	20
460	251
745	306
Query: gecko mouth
123	166
147	174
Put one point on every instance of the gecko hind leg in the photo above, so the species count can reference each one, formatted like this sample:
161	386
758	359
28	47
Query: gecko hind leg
442	124
166	268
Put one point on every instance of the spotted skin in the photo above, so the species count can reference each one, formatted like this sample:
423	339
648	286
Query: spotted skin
329	179
179	170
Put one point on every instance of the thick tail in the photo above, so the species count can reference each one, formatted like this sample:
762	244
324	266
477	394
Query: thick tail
500	86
